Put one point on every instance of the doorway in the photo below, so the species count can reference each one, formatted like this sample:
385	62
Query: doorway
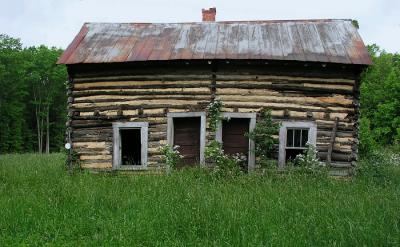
187	138
231	134
234	140
188	131
130	145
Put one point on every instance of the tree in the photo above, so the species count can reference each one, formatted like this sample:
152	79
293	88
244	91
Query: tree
46	81
12	93
32	98
380	98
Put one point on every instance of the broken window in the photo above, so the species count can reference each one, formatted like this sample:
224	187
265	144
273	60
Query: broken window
293	139
296	141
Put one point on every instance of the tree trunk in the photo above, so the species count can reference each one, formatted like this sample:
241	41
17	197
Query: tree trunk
47	131
41	133
37	110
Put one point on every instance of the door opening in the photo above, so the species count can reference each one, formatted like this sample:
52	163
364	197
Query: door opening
130	147
187	137
234	141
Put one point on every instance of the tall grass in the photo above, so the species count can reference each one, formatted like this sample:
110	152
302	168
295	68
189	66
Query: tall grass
40	203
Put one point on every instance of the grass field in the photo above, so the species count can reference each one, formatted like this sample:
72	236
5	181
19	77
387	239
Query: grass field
40	203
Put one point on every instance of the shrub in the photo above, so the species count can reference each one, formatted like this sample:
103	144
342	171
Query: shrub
225	166
308	160
367	142
262	135
378	166
172	157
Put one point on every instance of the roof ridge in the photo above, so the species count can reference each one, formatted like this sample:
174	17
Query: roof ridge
228	22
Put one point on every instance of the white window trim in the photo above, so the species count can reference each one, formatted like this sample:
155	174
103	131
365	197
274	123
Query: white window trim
144	129
252	125
312	136
170	129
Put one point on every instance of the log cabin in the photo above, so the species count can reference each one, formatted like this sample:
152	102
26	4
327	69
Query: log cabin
134	87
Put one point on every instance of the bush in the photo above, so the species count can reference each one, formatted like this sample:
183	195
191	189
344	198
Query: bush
367	142
225	166
262	135
378	166
172	157
308	161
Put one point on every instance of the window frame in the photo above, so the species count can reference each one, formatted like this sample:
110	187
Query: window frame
170	129
312	137
301	136
252	124
144	131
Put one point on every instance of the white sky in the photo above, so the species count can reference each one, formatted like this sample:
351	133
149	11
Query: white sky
56	22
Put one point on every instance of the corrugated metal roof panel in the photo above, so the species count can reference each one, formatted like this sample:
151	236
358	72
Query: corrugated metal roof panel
335	41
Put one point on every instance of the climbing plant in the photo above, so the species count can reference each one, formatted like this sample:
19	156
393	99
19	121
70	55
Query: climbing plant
214	114
263	135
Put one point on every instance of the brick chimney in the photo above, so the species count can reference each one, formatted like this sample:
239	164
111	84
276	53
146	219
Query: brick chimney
209	14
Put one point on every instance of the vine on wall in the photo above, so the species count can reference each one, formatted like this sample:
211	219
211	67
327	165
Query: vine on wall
214	114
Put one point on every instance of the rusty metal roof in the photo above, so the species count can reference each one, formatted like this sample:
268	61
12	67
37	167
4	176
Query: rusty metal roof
331	41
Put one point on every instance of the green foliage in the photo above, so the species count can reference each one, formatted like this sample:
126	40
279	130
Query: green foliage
43	205
32	92
225	166
171	156
263	133
308	161
367	142
214	114
355	24
380	100
379	166
72	162
13	93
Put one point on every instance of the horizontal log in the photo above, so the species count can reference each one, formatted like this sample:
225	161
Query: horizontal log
208	76
339	134
336	156
286	106
158	137
150	77
112	98
92	138
166	102
97	165
159	129
304	87
147	91
95	157
89	144
93	151
220	77
142	84
83	134
254	95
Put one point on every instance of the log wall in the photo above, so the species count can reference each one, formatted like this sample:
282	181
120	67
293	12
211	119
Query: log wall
96	99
